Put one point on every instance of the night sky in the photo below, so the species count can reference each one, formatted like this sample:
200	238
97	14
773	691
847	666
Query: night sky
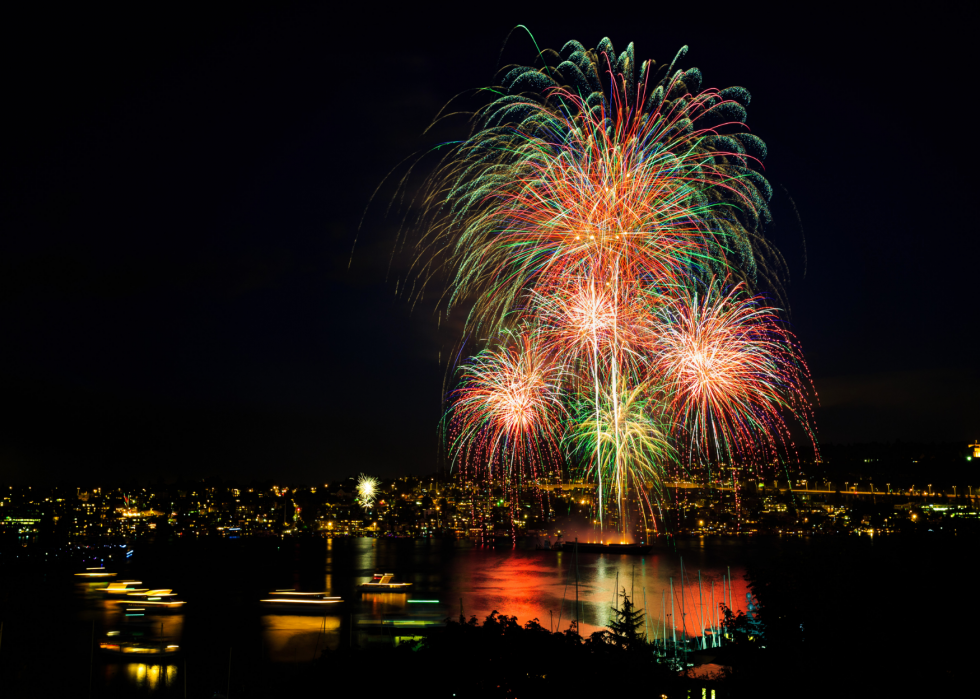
181	193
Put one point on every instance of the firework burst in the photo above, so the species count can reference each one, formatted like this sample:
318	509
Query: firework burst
367	490
507	413
733	373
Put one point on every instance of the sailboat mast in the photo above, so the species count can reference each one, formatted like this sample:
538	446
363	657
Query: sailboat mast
714	618
683	609
701	609
730	606
724	590
646	620
577	627
673	619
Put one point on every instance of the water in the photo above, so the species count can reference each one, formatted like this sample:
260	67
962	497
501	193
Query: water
222	623
541	585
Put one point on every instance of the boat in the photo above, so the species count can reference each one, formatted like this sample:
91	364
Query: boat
588	547
124	588
299	602
396	629
138	648
383	581
153	601
95	573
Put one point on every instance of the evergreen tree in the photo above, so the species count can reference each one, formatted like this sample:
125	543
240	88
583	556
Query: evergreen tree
624	630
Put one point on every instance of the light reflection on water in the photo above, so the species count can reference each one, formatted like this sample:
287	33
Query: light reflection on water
537	584
541	585
383	602
144	676
527	584
291	638
166	625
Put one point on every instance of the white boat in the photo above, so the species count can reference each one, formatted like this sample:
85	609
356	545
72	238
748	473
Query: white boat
383	581
299	602
95	573
153	601
124	588
134	649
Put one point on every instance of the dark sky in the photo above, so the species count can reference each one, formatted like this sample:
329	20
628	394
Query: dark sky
181	192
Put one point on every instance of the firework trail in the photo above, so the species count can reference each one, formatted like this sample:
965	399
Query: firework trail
597	323
564	174
623	445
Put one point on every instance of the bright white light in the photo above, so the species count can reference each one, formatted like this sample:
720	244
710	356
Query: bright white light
367	489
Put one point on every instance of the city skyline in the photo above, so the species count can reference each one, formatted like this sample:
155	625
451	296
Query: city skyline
52	518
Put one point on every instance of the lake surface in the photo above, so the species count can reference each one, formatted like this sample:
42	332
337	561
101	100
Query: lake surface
223	625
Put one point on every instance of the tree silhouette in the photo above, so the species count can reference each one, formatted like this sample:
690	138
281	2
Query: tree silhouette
624	630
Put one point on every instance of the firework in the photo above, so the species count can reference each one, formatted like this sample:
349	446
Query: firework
507	412
367	490
579	220
622	445
594	320
732	371
564	176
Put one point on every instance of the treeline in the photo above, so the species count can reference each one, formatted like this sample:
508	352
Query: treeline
852	617
501	657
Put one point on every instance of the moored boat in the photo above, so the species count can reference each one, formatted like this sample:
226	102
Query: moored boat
383	582
299	602
99	573
153	601
138	648
122	588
